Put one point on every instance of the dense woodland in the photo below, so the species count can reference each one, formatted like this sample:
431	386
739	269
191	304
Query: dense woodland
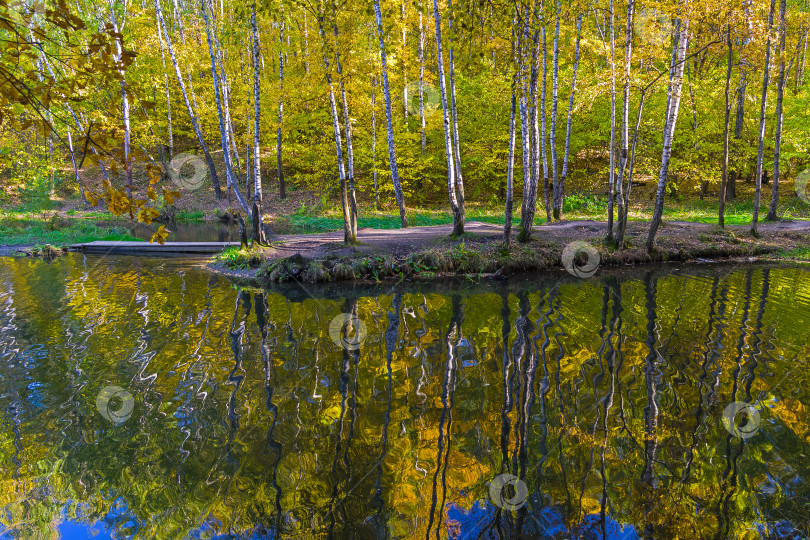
407	103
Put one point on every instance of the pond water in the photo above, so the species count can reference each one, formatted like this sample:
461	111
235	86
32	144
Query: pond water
148	398
207	231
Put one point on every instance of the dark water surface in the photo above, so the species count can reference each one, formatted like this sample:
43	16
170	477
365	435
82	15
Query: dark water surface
148	398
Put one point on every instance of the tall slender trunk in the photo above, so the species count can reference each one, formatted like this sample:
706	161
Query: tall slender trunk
510	169
75	168
257	125
674	100
629	185
223	126
762	116
624	195
192	116
721	213
564	172
780	93
347	124
454	111
168	95
124	102
739	119
552	143
547	202
282	188
612	174
422	77
458	217
530	186
348	237
392	152
374	142
405	96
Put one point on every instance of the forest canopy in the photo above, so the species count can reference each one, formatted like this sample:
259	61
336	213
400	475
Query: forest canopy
399	103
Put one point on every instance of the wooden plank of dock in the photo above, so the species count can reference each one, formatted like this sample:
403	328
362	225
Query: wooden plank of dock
145	248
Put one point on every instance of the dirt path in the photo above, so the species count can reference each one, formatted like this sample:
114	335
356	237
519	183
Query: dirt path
401	242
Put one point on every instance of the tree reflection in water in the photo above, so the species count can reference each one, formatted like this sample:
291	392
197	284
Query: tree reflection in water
604	396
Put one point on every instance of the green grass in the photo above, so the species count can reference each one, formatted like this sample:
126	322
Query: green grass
76	233
576	208
795	254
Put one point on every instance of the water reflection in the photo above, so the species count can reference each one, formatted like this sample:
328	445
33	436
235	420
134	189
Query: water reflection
603	396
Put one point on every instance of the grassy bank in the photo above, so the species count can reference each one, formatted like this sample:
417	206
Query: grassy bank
43	232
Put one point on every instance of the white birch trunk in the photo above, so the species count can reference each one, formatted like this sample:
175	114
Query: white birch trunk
762	116
392	152
676	86
458	220
780	94
192	116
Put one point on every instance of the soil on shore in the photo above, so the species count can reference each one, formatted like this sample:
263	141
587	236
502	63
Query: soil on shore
431	251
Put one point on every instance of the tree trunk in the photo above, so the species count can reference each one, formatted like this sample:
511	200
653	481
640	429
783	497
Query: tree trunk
721	215
422	77
257	112
282	188
564	173
510	169
223	127
547	202
348	237
629	185
454	114
531	179
731	186
392	152
674	102
347	123
193	117
124	103
458	216
374	142
552	143
612	174
75	168
168	96
780	89
624	196
762	113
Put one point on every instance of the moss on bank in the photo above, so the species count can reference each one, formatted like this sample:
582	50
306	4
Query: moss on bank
484	258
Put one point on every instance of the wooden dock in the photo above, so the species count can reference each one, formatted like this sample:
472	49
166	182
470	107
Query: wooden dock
145	248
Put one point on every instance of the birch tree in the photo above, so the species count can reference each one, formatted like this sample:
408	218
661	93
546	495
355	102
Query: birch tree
762	116
257	127
458	215
724	178
780	94
680	46
192	116
223	126
564	173
392	152
348	237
